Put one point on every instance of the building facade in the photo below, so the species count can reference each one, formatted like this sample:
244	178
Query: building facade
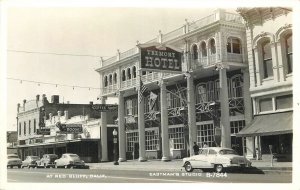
39	114
270	54
209	102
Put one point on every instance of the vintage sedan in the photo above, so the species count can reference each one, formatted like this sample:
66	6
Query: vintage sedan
30	161
13	160
215	158
47	161
69	160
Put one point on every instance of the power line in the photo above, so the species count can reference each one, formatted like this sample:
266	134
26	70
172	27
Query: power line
53	84
52	53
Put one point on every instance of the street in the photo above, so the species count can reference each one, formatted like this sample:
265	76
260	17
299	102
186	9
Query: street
125	176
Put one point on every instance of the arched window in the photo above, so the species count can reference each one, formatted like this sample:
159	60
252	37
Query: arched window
143	72
212	44
34	126
237	86
201	93
29	125
123	75
128	73
115	78
217	89
267	59
233	45
134	72
110	79
203	49
105	81
289	52
195	52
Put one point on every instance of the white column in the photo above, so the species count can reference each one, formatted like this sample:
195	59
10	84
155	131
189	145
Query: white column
257	68
281	61
141	128
121	127
103	137
224	121
164	122
274	62
191	112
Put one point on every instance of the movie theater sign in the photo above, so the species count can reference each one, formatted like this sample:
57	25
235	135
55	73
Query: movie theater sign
160	58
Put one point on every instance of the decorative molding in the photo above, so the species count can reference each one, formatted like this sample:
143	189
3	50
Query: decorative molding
282	30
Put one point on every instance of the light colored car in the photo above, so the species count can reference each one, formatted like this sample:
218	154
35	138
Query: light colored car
217	158
30	161
69	160
47	160
13	160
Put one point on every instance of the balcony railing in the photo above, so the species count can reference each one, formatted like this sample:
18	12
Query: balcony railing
129	53
233	57
202	22
231	17
174	34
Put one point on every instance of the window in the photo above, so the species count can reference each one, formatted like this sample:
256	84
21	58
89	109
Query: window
134	72
284	102
143	72
289	53
206	134
203	49
267	59
134	106
110	80
128	73
237	86
123	75
152	140
34	126
129	107
19	128
29	125
265	104
201	96
217	89
173	100
234	45
236	126
24	128
105	81
212	47
115	78
132	139
195	52
176	136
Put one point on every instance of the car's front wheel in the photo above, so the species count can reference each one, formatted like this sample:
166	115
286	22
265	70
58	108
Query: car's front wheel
219	168
188	167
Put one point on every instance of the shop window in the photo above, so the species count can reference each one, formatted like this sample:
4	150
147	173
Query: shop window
234	45
176	136
152	140
203	49
265	104
195	52
237	126
134	72
105	81
206	134
212	46
289	53
115	78
267	59
132	139
284	102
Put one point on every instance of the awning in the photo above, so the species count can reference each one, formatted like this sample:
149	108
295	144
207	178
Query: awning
270	124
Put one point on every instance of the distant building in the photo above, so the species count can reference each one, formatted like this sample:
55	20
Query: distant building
36	115
270	56
11	140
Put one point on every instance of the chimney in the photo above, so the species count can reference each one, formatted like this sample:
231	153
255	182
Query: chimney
24	102
18	107
55	99
37	97
91	102
44	99
66	114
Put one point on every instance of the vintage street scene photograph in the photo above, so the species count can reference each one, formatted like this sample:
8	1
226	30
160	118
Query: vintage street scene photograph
149	95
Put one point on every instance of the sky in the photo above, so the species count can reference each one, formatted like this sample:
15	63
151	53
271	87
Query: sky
94	31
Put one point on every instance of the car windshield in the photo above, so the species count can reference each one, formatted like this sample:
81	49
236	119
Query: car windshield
12	156
74	156
228	151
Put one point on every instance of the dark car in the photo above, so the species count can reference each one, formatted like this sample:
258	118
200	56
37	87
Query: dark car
13	160
30	161
47	161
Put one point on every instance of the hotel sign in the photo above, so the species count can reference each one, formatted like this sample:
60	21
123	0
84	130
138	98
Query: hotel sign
162	58
104	107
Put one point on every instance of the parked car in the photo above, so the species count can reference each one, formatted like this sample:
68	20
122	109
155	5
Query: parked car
69	160
30	161
47	161
217	158
13	160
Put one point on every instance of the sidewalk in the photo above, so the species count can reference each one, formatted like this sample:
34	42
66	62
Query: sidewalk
176	166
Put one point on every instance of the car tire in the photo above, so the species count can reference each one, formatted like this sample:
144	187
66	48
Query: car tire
19	166
188	167
45	166
219	168
11	166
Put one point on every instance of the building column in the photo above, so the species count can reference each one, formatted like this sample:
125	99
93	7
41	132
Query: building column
103	130
141	127
121	127
224	120
274	62
257	67
164	122
191	112
281	62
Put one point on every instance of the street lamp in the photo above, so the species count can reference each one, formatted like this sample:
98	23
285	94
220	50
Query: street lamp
115	136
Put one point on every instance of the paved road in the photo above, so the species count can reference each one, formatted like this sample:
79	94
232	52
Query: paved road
111	176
